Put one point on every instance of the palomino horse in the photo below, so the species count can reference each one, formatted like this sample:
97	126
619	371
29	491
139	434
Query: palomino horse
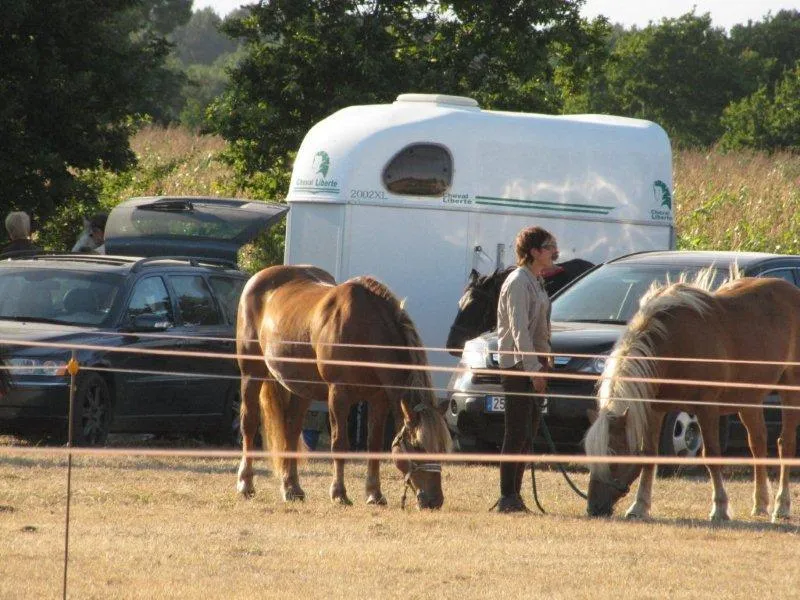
748	319
302	324
477	308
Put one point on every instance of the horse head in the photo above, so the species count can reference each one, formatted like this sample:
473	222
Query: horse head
423	431
608	482
477	309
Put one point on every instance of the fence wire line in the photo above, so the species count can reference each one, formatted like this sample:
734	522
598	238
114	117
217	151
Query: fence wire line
427	349
581	459
550	396
410	367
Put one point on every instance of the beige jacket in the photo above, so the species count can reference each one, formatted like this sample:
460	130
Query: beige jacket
523	320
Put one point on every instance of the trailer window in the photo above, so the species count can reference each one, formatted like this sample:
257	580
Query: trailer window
419	170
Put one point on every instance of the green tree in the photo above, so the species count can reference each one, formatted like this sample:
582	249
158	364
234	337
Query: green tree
200	41
680	73
307	58
766	120
775	38
74	76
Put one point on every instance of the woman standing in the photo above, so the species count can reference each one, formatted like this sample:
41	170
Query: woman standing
523	327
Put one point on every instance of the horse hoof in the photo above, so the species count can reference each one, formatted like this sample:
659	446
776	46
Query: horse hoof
294	496
378	500
341	500
759	512
780	516
635	516
245	490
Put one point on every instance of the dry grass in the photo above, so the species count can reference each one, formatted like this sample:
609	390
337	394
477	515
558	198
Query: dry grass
176	161
738	201
173	528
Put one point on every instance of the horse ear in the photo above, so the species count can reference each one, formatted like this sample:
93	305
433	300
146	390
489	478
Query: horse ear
410	416
473	275
591	414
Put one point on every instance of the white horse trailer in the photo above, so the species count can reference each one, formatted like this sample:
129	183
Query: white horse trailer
419	192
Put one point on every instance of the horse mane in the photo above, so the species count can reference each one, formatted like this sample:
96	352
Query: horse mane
432	434
633	356
495	278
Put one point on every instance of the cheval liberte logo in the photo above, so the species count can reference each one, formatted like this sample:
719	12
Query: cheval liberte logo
663	198
319	182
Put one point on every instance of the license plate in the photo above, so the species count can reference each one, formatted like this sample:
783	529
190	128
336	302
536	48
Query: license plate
495	404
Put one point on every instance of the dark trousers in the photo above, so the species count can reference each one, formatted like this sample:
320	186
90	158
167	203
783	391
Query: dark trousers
522	421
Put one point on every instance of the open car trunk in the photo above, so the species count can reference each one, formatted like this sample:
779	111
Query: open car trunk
187	226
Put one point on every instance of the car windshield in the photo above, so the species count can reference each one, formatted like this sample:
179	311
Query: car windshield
58	295
611	293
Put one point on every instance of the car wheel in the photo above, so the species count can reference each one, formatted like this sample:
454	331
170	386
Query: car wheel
680	436
91	417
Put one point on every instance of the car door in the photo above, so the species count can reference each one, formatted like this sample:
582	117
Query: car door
205	329
149	382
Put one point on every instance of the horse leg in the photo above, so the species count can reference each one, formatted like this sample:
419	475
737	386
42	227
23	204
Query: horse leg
640	509
709	427
295	412
753	420
787	448
377	423
338	410
250	416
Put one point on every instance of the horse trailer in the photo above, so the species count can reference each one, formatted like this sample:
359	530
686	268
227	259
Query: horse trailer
420	192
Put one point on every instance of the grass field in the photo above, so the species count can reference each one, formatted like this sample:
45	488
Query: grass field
144	527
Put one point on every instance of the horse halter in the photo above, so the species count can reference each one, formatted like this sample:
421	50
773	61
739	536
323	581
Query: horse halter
402	445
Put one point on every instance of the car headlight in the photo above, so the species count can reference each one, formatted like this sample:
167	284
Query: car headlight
476	354
36	366
596	364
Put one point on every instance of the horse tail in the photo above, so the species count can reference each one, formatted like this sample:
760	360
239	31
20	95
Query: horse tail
275	413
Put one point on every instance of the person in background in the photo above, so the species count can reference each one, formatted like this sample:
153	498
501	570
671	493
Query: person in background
92	238
523	328
18	226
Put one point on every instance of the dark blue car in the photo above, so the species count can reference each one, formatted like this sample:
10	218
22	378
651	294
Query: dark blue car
115	308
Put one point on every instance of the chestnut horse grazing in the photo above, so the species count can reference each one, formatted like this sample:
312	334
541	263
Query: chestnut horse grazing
745	320
301	322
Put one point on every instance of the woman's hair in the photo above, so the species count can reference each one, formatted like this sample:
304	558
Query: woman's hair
18	225
528	239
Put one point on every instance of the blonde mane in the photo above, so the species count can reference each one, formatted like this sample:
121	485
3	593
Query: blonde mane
633	356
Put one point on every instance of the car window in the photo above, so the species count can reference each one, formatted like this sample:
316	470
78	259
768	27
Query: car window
612	292
195	302
150	297
58	295
227	291
785	273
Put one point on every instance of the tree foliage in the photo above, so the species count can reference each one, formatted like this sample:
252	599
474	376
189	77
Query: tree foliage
766	120
307	58
75	74
200	41
776	38
680	73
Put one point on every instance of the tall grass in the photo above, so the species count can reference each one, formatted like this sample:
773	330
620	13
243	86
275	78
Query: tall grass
737	201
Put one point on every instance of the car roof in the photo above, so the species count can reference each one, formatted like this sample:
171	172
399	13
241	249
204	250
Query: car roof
700	258
120	264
